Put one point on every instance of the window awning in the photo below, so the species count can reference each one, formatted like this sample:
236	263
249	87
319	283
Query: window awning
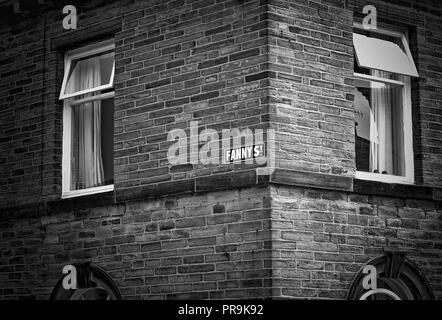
383	55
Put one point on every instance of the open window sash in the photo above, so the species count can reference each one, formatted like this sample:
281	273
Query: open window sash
76	59
374	53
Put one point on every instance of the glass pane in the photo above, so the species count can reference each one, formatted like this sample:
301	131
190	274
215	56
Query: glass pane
90	72
379	128
380	74
92	144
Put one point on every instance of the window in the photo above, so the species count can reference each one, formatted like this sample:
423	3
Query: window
88	125
383	70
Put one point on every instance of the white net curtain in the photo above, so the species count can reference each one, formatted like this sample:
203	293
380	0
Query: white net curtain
86	157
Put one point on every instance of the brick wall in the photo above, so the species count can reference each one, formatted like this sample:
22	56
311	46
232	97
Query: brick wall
215	245
285	65
176	62
321	238
185	61
311	57
311	86
31	71
231	64
30	129
258	242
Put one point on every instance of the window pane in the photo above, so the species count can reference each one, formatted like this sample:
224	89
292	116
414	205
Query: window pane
92	144
90	72
384	74
379	127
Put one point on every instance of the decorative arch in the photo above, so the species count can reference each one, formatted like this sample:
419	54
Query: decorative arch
93	283
397	277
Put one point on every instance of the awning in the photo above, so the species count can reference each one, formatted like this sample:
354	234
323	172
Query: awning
383	55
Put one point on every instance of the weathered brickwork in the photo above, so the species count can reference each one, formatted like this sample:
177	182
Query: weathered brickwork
31	72
176	62
29	111
259	242
322	238
186	61
311	54
234	64
424	22
215	231
215	245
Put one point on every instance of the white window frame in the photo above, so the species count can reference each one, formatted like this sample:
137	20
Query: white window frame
403	36
81	53
407	116
68	103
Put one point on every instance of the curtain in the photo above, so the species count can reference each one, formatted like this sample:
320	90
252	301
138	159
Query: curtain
381	145
86	163
386	135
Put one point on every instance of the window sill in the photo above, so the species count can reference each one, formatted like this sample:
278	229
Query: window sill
86	192
398	190
79	205
383	178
